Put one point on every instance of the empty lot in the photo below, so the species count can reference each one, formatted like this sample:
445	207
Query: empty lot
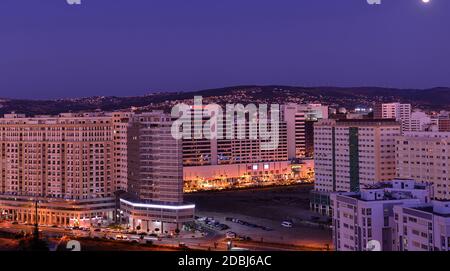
266	207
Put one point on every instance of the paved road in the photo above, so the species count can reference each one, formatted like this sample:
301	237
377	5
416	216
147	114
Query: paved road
213	240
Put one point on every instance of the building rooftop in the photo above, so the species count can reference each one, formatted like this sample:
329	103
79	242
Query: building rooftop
397	189
382	195
360	122
430	210
437	207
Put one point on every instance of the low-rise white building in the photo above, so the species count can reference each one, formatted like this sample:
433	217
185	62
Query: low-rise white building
365	216
424	227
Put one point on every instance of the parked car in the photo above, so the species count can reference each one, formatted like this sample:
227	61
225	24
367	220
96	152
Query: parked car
136	238
121	237
286	224
231	235
150	238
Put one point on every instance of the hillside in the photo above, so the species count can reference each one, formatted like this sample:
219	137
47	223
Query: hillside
435	99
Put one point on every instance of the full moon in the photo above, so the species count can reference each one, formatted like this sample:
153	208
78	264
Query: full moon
426	1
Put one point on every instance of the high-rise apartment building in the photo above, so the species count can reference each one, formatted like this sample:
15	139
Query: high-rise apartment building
299	119
425	156
155	182
73	165
352	153
216	162
157	172
293	139
225	150
365	218
69	157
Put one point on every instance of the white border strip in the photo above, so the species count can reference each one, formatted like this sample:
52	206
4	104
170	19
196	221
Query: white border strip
157	206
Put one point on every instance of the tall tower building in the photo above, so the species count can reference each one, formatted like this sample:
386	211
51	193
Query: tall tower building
349	154
225	150
156	159
299	119
154	198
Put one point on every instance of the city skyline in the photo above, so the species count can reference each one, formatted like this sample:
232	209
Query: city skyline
201	125
56	50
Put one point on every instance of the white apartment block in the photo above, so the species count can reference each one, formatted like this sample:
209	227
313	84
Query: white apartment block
398	111
423	227
225	151
74	164
296	116
367	216
425	156
349	154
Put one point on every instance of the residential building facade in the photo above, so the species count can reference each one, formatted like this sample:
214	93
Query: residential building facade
425	156
423	227
73	167
398	111
362	218
352	153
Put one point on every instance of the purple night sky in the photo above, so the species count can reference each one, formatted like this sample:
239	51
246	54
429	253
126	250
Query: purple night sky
50	49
